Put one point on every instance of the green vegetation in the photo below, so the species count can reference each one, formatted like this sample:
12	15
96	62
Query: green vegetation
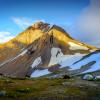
73	91
45	88
97	79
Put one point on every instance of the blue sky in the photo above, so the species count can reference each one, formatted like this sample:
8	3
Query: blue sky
16	15
53	11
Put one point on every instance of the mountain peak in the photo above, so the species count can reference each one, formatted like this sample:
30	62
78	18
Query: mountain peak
41	25
40	46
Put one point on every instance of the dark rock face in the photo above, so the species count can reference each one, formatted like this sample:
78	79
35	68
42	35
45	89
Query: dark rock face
54	68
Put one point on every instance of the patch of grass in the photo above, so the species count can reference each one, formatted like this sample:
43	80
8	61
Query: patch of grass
24	90
43	87
8	81
72	91
98	80
13	94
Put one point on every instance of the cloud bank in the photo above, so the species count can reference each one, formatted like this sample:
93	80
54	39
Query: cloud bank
5	36
88	25
22	22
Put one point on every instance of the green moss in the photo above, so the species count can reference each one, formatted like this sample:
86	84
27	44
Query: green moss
72	91
13	94
97	79
8	81
40	87
24	90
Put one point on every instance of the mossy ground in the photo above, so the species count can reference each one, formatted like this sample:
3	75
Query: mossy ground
48	89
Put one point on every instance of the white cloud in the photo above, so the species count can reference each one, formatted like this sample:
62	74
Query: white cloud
5	36
88	24
90	18
22	22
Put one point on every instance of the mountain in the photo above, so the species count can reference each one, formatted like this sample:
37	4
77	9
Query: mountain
19	42
43	49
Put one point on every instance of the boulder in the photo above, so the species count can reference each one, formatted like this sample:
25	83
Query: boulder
88	77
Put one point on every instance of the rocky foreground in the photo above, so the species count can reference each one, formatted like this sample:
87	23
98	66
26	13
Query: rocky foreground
49	89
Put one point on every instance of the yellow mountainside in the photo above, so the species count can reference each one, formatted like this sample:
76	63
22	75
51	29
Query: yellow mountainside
65	38
12	47
37	30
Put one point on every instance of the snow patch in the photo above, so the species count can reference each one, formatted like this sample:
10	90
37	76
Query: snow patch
36	62
95	67
12	59
39	73
97	77
5	62
63	60
24	52
55	59
21	54
92	50
74	46
70	59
